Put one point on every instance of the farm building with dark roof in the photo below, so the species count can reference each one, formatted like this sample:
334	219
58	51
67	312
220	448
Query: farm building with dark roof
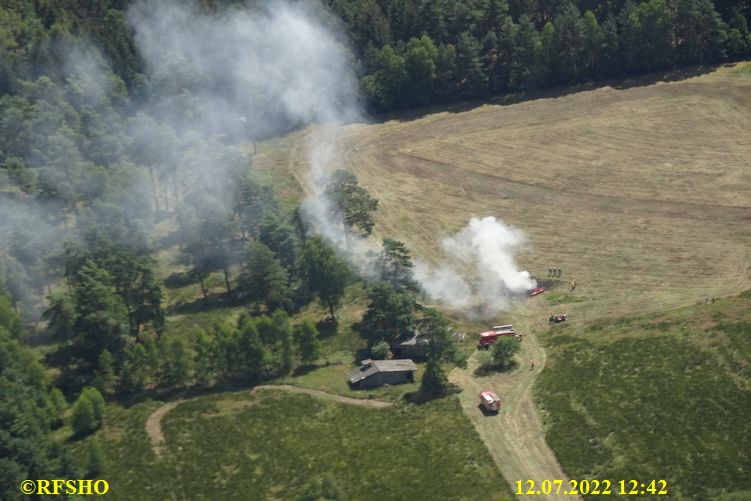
374	373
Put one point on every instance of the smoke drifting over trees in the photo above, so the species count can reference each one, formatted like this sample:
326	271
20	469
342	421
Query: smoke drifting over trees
277	65
280	64
95	163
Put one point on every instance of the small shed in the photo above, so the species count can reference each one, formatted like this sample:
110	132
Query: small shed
373	373
412	346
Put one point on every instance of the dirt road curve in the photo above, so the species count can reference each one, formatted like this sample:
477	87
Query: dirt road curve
154	421
154	425
514	437
375	404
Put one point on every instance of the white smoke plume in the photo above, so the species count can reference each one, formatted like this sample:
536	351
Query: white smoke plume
277	65
272	64
486	247
281	62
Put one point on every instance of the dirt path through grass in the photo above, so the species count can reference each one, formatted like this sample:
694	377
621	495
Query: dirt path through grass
514	437
154	425
374	404
154	421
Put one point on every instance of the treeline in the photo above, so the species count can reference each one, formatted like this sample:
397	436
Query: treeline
253	349
109	326
420	52
415	52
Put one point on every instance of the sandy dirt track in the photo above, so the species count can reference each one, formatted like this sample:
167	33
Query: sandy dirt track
515	437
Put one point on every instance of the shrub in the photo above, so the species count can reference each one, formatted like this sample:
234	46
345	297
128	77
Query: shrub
380	351
434	381
88	412
504	350
83	419
97	402
320	489
59	405
308	341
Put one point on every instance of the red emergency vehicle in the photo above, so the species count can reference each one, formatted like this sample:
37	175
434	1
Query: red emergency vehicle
490	337
490	401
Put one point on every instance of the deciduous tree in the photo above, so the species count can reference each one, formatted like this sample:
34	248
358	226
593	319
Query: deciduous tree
326	274
351	204
390	314
504	350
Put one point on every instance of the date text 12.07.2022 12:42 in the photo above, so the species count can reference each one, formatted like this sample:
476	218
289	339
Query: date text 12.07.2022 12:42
591	487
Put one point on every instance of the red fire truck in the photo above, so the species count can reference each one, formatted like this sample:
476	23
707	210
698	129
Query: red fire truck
490	401
490	337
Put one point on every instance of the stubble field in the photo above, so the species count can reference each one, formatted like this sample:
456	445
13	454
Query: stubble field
640	194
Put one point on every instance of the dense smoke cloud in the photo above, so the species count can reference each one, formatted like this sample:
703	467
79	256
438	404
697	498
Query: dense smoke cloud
485	248
274	64
268	69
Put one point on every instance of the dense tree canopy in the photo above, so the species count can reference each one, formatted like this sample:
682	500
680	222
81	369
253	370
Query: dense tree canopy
326	273
425	52
416	51
390	314
28	412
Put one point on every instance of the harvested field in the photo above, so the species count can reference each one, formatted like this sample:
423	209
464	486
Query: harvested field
641	194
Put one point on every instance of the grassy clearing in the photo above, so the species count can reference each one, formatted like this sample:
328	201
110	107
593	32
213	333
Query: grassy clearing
271	163
662	396
742	69
345	339
556	298
130	466
189	325
269	444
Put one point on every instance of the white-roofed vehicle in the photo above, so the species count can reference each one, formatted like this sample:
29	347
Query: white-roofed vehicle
489	401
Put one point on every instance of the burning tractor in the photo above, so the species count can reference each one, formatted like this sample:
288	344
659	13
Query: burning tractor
489	401
490	337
